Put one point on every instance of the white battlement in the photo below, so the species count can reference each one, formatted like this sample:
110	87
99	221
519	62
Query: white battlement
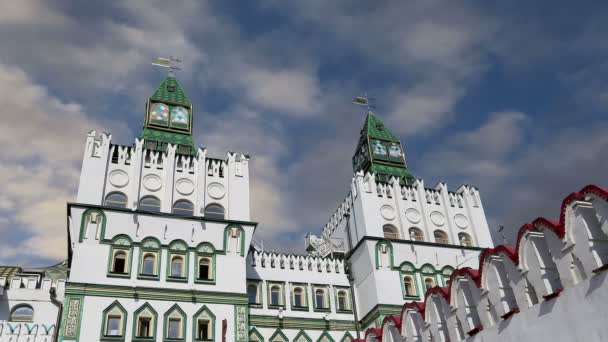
550	283
296	262
134	172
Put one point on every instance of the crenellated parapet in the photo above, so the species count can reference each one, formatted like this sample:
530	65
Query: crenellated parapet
270	260
166	176
550	260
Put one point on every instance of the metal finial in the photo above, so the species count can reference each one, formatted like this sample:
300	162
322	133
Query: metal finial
168	63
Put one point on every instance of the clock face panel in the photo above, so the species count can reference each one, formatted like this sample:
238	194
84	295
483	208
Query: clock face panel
159	114
180	117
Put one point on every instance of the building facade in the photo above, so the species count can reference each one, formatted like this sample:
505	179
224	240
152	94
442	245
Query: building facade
161	248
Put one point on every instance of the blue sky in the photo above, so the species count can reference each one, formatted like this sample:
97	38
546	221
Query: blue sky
509	97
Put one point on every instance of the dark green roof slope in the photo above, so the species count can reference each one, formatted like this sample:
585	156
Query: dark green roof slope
164	93
375	128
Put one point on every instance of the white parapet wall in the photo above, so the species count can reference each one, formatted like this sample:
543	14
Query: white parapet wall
550	286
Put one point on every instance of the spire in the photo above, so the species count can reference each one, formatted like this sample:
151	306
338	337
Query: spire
168	118
380	152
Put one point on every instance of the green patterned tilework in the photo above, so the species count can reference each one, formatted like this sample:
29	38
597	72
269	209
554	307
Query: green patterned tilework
170	91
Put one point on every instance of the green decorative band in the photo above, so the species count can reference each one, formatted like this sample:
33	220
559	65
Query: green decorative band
380	309
149	293
300	323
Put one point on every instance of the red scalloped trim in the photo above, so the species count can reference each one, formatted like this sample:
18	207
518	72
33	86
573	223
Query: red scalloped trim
553	295
510	313
475	331
600	269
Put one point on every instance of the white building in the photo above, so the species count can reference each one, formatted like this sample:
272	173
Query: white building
160	249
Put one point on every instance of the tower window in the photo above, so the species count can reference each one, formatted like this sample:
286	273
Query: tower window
183	208
214	211
177	267
320	299
150	203
429	283
416	234
144	327
408	284
170	88
275	295
204	269
342	300
22	313
465	239
298	297
149	264
390	232
116	200
441	237
119	264
203	330
252	292
174	328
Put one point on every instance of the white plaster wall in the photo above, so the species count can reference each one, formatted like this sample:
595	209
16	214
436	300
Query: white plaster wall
90	258
92	316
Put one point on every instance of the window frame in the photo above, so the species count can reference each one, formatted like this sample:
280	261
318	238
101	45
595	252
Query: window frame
182	200
325	289
145	248
408	269
281	286
104	323
19	306
409	232
214	218
469	238
196	319
445	240
430	275
178	248
347	299
140	207
168	316
304	288
258	293
153	327
105	200
120	243
395	234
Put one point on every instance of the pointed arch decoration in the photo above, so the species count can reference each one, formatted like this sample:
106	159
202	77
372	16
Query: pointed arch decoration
278	336
302	337
230	229
175	312
203	314
92	216
325	337
384	246
347	337
143	332
114	322
255	336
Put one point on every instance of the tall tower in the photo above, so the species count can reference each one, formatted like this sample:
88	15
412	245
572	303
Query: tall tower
152	225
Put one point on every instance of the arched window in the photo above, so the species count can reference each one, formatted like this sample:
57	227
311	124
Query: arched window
416	234
320	298
119	264
183	208
409	286
465	239
204	269
149	203
149	264
116	200
298	297
342	300
429	283
252	292
390	232
441	237
275	295
22	313
214	211
177	267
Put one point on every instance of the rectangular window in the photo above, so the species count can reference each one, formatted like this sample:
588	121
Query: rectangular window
143	328
174	330
203	330
113	326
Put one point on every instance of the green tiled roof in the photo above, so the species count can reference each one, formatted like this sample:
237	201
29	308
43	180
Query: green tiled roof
170	90
376	129
9	272
150	134
56	272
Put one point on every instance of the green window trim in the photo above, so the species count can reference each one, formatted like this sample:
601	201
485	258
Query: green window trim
184	323
281	285
348	299
278	333
102	215
258	289
302	335
253	332
242	238
409	270
327	336
326	297
445	276
390	252
428	274
198	280
304	287
347	336
145	306
149	245
106	312
178	248
211	316
120	243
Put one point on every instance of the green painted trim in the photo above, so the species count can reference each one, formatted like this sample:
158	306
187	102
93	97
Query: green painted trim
269	284
413	275
326	335
64	317
246	323
104	319
82	222
258	291
135	338
280	334
391	254
171	252
211	322
347	335
376	311
267	321
304	287
326	297
348	299
254	331
302	334
144	250
181	312
242	232
198	265
129	251
148	293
